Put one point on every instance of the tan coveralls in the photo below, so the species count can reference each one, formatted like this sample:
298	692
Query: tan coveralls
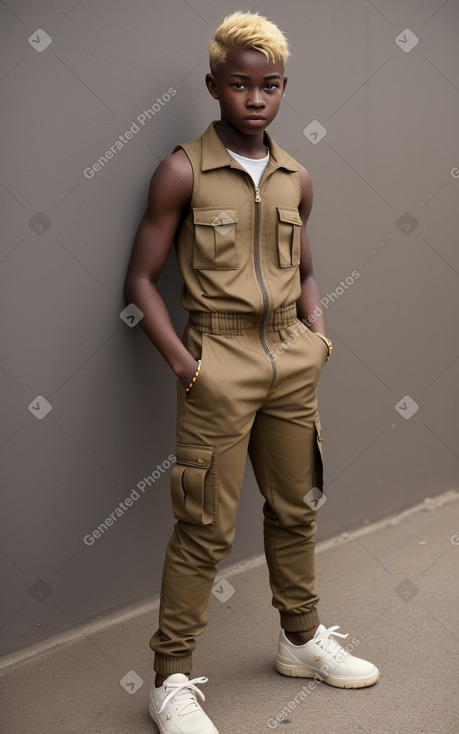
238	249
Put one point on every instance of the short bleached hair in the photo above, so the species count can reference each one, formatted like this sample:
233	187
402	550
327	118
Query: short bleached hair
248	30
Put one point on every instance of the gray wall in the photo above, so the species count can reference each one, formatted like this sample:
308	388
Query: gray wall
386	178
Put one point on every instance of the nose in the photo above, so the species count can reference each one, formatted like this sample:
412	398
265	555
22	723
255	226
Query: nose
255	99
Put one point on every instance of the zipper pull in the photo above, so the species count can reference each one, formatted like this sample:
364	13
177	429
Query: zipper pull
257	195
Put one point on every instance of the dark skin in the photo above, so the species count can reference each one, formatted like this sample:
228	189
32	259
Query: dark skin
246	86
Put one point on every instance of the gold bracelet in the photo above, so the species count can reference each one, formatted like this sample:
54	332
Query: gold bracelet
327	342
196	375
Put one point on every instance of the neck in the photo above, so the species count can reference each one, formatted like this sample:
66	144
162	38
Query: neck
250	146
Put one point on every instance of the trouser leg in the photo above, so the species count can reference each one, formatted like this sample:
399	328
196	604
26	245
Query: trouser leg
285	450
214	425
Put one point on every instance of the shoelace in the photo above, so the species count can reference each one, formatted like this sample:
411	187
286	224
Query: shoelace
327	643
187	691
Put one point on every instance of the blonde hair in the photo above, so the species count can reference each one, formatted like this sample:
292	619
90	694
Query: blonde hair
248	30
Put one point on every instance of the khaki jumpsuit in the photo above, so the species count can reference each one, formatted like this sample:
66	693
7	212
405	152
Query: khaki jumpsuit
238	249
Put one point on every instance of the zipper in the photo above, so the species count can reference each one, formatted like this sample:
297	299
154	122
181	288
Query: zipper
262	285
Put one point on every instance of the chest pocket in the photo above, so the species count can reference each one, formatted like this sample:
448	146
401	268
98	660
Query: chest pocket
288	237
215	238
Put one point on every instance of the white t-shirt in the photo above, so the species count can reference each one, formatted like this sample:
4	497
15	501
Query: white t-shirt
253	166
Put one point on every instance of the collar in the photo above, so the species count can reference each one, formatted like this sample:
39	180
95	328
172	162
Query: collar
215	155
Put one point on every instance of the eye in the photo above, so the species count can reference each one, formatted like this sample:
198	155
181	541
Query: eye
271	86
238	85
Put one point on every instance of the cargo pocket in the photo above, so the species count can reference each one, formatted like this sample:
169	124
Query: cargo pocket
288	237
194	485
318	457
215	239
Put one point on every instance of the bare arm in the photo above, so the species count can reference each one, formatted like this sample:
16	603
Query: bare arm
310	294
170	191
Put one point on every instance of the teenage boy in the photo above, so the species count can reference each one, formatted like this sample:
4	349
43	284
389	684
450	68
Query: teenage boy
237	205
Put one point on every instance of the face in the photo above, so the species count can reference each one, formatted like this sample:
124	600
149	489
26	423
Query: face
249	89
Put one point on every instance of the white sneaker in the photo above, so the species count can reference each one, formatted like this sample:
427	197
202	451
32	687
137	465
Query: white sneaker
175	710
323	658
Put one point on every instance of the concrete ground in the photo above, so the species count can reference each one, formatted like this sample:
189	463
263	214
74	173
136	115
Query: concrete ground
393	586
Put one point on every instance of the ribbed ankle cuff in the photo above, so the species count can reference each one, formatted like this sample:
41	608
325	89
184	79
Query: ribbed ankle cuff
167	665
299	622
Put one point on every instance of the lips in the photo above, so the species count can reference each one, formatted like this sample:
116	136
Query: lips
256	117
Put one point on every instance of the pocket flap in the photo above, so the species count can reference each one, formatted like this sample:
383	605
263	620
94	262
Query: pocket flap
214	217
290	216
194	485
197	456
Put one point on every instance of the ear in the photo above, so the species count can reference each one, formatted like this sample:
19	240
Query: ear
284	85
211	85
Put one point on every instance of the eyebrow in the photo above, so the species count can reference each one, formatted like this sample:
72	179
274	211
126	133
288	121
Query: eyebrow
268	76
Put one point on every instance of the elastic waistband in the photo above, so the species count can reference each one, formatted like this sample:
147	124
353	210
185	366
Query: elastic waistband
208	322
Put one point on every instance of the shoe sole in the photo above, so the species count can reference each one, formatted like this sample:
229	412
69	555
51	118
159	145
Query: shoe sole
284	666
154	716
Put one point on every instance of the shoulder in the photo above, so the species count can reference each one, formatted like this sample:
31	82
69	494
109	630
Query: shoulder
305	178
176	165
306	187
173	178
